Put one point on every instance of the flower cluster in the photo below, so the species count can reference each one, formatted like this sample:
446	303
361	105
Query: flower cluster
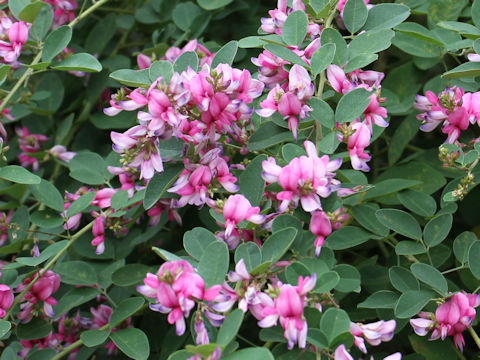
453	109
17	35
358	134
451	318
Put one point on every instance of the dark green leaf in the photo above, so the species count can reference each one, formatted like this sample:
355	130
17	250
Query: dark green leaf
213	265
47	219
131	274
418	31
188	59
132	342
134	78
473	256
355	15
295	28
161	68
35	329
125	309
268	135
197	240
213	4
230	327
47	193
294	270
401	222
329	143
332	36
409	248
469	69
250	253
349	278
321	111
326	282
360	61
252	186
79	62
402	279
81	203
370	42
278	244
77	273
411	302
437	229
414	46
386	16
347	237
462	244
352	105
29	13
4	327
334	322
74	298
418	202
365	215
258	353
18	174
184	14
56	41
159	184
383	299
430	276
88	167
226	54
93	338
322	58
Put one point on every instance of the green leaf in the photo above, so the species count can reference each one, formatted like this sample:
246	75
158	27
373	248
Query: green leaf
4	327
132	342
412	302
226	54
18	174
321	111
405	132
332	36
213	4
476	13
125	309
134	78
355	15
414	46
278	244
430	276
230	327
473	256
131	274
250	253
101	34
294	270
81	203
88	167
352	105
360	61
402	279
465	29
365	215
295	28
268	135
409	248
285	54
386	16
91	338
165	255
418	202
35	329
159	184
47	193
16	6
119	200
349	278
433	350
326	282
74	298
334	322
462	244
184	14
322	58
79	62
213	265
383	299
370	42
188	59
469	69
29	13
329	143
252	186
161	68
418	31
347	237
47	219
197	240
437	229
77	273
317	338
401	222
56	41
42	23
257	353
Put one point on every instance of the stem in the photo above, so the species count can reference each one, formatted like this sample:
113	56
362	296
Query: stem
474	336
87	12
454	269
20	81
73	346
48	266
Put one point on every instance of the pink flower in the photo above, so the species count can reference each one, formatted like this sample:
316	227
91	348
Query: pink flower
357	142
338	80
320	226
60	152
341	353
375	333
6	299
143	61
236	209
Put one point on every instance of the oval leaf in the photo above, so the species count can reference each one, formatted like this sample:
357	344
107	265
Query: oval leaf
401	222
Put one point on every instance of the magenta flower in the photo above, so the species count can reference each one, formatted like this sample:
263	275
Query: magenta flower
341	353
60	152
236	209
6	299
375	333
357	142
143	61
321	227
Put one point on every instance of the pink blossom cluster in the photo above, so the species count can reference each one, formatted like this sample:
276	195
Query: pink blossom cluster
453	109
14	35
42	290
358	134
63	11
6	299
274	24
172	54
305	180
375	333
451	318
